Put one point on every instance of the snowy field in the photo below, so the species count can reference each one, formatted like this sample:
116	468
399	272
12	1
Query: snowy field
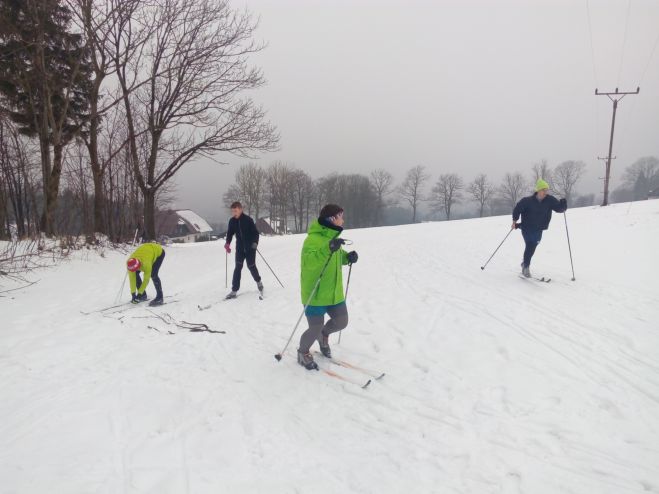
494	384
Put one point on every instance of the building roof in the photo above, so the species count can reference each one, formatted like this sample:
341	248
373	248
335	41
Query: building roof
200	225
180	223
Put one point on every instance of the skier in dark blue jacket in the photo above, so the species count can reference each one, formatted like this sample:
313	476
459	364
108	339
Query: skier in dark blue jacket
535	211
247	242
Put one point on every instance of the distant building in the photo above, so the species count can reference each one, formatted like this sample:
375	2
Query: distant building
264	227
182	225
653	194
271	226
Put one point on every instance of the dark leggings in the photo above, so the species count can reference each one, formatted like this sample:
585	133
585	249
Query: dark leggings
317	326
241	257
532	239
154	275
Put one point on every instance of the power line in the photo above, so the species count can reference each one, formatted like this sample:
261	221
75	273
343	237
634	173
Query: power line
647	66
624	40
592	47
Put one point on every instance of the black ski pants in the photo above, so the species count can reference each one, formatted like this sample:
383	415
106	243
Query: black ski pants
242	255
154	275
531	239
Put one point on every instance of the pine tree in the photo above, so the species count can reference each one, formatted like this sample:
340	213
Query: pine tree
44	84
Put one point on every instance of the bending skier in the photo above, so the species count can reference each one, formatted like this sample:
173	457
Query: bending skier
247	241
535	211
323	247
147	259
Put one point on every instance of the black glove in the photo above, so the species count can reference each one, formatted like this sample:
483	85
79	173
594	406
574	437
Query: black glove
335	244
255	246
352	257
563	203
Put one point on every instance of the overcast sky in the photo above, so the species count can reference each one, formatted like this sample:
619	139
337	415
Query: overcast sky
462	86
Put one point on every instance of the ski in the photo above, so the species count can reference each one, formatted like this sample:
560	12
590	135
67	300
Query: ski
344	378
347	365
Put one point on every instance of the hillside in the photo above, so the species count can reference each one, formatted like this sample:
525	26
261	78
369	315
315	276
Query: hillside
494	384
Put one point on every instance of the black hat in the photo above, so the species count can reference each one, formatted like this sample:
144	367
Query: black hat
330	210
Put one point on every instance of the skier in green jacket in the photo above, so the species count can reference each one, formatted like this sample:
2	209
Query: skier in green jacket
147	258
321	248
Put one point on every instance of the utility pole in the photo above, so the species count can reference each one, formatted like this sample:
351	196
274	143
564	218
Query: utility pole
615	97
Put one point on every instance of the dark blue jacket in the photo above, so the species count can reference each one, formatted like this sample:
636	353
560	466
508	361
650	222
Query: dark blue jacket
245	231
536	214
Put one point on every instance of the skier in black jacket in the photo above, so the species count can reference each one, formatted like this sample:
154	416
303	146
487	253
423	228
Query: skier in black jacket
247	241
535	211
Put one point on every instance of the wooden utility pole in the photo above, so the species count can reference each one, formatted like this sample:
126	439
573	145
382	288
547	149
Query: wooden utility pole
615	97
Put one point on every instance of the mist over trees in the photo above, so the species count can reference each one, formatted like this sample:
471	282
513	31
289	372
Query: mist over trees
290	198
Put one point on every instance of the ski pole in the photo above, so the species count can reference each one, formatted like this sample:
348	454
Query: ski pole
346	297
266	262
504	239
123	283
568	245
313	292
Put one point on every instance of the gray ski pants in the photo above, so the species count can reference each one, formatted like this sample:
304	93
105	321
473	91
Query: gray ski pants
317	326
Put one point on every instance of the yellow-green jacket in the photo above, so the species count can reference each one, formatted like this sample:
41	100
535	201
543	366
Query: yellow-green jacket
315	253
147	255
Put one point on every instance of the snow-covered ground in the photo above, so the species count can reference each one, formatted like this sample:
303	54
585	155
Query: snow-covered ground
493	384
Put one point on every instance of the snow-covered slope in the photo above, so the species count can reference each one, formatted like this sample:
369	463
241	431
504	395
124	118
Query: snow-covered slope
494	384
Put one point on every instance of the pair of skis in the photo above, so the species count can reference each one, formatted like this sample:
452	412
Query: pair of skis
542	279
113	309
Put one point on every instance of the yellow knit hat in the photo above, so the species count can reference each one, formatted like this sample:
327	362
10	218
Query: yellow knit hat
541	184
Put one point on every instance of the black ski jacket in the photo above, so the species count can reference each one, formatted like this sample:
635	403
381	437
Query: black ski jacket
536	214
245	231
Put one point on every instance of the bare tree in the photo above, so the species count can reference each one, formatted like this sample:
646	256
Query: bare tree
278	185
193	105
512	188
249	188
641	177
20	179
542	170
566	176
301	190
411	190
101	22
381	180
446	192
481	191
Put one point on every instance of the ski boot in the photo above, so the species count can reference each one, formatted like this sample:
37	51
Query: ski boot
231	295
259	285
306	361
143	297
156	301
325	349
526	272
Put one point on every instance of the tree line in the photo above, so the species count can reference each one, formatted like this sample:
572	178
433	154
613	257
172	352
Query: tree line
291	198
102	102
